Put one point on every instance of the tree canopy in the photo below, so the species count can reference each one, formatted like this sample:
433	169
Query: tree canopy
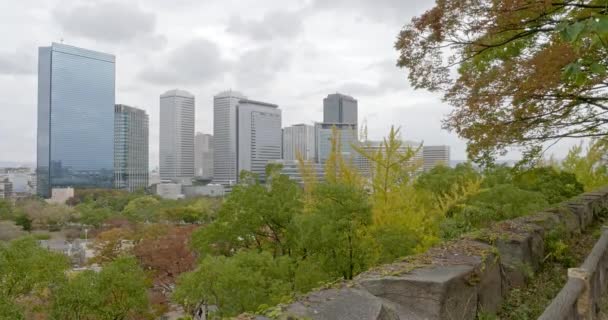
527	71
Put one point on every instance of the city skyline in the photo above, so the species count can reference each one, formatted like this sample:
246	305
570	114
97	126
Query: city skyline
299	54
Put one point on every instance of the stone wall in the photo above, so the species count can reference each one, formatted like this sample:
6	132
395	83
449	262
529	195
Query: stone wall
456	280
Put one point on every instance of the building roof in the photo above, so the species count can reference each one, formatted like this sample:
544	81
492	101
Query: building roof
230	93
177	93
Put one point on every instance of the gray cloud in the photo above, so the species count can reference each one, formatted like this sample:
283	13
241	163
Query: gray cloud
384	11
197	62
259	67
17	63
276	24
391	78
106	21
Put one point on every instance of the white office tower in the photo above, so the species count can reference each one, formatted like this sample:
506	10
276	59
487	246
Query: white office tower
259	136
436	155
299	142
177	136
203	155
246	136
365	166
224	137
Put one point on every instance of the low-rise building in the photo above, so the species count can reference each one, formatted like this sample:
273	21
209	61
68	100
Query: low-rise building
60	195
210	190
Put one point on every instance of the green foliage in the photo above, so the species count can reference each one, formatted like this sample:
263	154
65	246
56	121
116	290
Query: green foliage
24	222
254	215
442	180
555	185
590	168
26	270
118	291
494	204
335	233
6	209
142	209
94	215
236	284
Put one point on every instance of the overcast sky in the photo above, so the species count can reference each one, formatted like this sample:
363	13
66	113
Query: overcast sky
289	52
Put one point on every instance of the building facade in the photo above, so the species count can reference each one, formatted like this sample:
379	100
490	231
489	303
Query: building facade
75	138
435	155
347	134
294	170
176	139
225	105
203	156
340	108
246	136
366	168
6	188
259	136
131	138
299	142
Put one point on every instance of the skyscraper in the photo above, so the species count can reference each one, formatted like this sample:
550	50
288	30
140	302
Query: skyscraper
340	108
203	155
225	137
259	136
435	155
76	94
347	134
177	136
246	134
130	148
299	141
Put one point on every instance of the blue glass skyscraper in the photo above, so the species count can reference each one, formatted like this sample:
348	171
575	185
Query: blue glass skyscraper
75	118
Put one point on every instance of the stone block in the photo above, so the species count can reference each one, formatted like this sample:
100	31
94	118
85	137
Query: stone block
569	220
521	250
432	293
583	209
341	304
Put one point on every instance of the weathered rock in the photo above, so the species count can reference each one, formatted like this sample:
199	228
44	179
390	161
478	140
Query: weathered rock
521	250
341	304
441	292
569	221
583	209
490	289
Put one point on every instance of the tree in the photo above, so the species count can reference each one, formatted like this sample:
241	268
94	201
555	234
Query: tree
142	209
118	291
255	215
167	255
527	71
6	209
26	270
590	169
236	284
336	232
556	186
24	222
443	180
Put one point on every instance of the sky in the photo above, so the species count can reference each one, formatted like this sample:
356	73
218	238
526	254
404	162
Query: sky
288	52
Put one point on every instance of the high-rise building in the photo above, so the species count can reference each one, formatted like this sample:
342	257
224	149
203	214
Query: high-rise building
435	155
340	108
299	141
293	170
6	188
246	135
203	155
176	136
130	148
259	136
225	137
76	94
347	134
366	168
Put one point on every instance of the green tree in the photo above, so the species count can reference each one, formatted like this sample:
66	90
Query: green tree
528	71
255	215
118	291
142	209
93	215
26	270
590	169
555	185
336	232
236	284
24	222
498	203
6	209
442	180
